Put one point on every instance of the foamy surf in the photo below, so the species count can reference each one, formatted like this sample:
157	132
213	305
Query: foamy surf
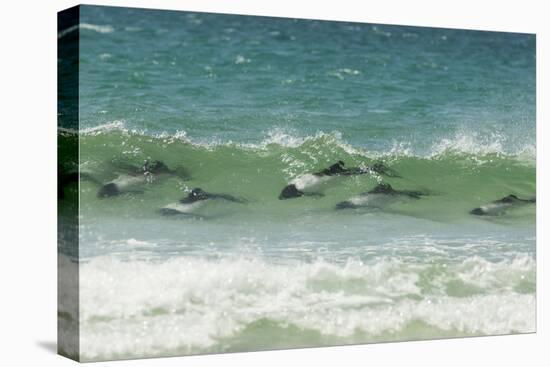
194	305
86	26
463	143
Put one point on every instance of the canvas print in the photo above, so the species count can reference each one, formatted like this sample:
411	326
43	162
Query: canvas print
233	183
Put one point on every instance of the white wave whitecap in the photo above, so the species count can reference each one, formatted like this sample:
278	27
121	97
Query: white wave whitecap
459	143
87	26
191	304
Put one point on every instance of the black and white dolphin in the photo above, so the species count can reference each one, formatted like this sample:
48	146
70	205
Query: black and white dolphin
291	191
338	169
196	198
378	196
298	187
500	206
135	178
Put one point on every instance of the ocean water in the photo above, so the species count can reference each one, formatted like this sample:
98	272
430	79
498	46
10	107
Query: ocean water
245	105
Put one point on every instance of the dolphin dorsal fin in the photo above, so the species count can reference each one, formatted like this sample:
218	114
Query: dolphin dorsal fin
383	188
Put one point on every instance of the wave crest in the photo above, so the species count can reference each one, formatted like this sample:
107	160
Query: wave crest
92	27
468	144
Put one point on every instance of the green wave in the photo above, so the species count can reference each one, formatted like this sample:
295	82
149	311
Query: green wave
456	181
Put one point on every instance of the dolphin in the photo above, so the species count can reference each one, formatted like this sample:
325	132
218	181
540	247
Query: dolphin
196	198
130	182
291	191
378	196
338	169
298	186
500	206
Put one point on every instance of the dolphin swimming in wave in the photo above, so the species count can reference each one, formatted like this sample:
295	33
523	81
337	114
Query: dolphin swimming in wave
298	186
196	198
134	178
338	169
378	196
500	206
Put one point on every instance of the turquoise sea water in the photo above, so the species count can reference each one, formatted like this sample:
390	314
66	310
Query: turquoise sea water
245	105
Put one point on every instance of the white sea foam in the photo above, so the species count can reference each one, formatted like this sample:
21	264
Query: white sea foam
467	143
86	26
343	72
97	28
190	305
66	31
288	139
475	144
470	143
240	59
105	56
138	243
107	127
283	138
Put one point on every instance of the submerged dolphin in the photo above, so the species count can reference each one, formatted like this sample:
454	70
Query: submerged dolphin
500	206
338	169
296	187
130	181
196	198
379	195
291	191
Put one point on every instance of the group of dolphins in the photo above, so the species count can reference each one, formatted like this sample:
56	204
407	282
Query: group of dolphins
153	171
383	191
